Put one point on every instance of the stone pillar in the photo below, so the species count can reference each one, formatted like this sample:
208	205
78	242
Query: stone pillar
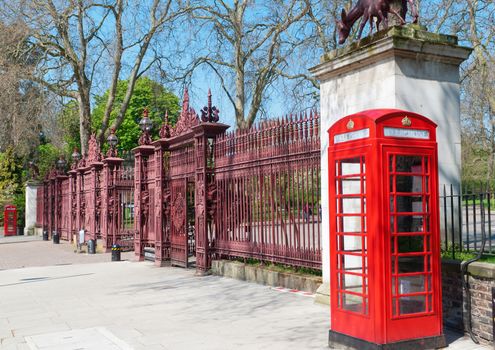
404	68
31	206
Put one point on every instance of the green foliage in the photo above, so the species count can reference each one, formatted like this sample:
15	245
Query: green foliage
11	183
48	155
10	173
147	94
68	121
455	253
280	267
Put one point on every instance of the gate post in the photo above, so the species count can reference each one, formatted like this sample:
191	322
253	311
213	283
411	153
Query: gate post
111	167
95	215
72	203
80	200
205	136
162	238
141	197
46	209
52	219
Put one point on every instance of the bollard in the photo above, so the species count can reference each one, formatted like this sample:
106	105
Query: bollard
45	235
116	249
91	246
55	237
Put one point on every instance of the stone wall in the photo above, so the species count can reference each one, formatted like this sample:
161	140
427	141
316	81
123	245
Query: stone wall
264	275
481	281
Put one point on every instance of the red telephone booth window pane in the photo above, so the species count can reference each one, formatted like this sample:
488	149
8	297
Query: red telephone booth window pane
351	253
410	242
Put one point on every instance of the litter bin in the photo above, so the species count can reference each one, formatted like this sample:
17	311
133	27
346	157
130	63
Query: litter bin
116	249
55	237
45	235
91	246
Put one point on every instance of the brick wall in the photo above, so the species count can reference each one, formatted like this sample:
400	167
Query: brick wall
452	294
481	281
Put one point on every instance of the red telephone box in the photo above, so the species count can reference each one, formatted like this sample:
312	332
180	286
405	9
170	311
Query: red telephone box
385	275
10	220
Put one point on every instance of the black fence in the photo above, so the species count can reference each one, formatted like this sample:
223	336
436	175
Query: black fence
467	220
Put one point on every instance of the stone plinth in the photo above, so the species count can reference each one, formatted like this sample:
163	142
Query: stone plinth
31	204
404	68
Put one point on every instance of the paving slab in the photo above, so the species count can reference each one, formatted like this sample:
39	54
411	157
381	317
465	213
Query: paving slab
135	305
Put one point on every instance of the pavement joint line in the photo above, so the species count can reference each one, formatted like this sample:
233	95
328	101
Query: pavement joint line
293	291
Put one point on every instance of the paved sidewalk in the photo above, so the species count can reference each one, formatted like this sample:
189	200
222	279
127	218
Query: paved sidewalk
18	239
53	298
19	253
131	305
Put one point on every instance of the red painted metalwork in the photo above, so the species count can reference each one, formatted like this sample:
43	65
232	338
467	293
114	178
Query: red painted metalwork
384	228
39	206
197	193
96	196
267	192
10	220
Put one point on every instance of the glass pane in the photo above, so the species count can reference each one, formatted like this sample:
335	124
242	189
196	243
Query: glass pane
353	263
353	283
350	243
353	303
411	284
408	164
409	244
409	204
350	166
349	186
349	206
410	264
410	223
408	183
412	305
349	224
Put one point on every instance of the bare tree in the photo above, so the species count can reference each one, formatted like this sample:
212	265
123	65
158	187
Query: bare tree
248	45
22	103
472	21
81	40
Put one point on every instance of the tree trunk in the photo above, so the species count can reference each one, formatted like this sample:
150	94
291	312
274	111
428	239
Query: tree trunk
240	99
84	120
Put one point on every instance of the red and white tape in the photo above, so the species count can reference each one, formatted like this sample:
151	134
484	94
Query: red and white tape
293	291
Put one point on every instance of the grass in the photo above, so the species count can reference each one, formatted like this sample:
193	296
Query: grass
281	267
465	255
478	202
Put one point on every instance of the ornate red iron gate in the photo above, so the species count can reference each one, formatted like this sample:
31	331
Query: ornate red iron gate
198	193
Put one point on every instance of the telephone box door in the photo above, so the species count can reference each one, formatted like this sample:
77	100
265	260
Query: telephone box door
414	298
10	220
349	242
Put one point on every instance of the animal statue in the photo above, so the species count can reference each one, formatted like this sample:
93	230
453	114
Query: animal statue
369	9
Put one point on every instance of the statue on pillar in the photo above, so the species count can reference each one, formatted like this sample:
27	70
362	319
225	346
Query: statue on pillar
369	10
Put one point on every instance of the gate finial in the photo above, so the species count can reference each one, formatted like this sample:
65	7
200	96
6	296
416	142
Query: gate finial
209	114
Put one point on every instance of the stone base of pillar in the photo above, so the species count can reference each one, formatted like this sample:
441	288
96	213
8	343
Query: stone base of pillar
322	295
163	263
201	273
